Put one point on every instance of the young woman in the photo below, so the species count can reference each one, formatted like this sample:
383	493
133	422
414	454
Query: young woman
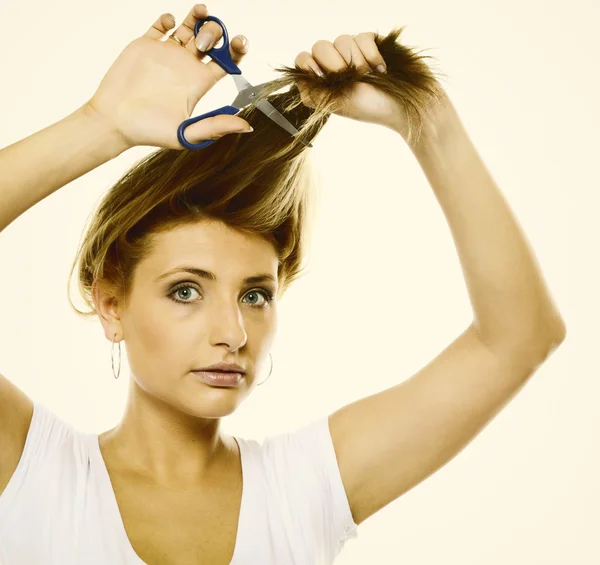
185	260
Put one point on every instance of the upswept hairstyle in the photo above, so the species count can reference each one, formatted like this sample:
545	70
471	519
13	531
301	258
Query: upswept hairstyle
259	183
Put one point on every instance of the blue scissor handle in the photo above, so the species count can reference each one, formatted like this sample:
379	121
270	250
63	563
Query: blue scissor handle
231	110
220	55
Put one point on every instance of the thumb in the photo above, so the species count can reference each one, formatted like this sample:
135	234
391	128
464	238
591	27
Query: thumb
215	127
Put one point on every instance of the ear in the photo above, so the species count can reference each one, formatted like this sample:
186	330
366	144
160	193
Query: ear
108	311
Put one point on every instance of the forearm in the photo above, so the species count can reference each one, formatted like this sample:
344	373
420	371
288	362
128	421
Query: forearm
512	306
37	166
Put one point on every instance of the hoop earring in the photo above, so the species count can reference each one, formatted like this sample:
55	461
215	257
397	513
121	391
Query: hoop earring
112	358
263	382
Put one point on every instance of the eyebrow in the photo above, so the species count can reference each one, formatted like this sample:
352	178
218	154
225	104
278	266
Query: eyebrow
204	274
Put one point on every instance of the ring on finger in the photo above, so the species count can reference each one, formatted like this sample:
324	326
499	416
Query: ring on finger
177	39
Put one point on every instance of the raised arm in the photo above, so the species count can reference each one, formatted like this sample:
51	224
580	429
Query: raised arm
512	307
140	101
37	166
389	442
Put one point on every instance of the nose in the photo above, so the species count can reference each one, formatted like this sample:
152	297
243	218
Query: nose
227	327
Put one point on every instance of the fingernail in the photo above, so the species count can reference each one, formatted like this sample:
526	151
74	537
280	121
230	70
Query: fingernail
247	130
380	68
318	71
203	41
243	40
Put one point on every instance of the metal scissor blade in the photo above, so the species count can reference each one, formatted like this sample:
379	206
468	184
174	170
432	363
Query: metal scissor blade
248	94
271	112
260	87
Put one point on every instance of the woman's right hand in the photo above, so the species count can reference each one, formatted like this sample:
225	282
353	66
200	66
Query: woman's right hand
155	83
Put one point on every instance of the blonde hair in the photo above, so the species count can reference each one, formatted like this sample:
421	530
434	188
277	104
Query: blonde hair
260	183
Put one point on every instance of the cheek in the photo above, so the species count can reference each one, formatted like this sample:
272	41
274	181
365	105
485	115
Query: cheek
151	333
263	333
161	339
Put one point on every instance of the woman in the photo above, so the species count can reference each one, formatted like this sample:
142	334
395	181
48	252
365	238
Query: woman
228	225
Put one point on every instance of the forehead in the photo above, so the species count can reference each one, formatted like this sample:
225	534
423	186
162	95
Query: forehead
211	245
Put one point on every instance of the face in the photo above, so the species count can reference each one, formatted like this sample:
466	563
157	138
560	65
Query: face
178	321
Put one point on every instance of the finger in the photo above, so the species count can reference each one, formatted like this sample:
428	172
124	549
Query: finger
160	27
350	51
185	31
307	62
215	127
327	56
209	35
369	49
238	48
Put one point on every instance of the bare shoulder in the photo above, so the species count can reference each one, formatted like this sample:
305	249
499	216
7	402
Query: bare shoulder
16	412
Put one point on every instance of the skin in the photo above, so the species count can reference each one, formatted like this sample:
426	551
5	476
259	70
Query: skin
170	415
427	419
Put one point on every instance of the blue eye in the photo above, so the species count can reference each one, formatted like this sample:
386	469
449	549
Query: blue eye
176	290
266	294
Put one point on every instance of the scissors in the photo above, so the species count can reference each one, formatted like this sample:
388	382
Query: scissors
246	92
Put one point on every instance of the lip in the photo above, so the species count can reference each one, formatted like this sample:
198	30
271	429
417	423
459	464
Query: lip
221	367
220	378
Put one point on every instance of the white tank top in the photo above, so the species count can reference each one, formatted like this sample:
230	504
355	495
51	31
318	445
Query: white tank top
59	507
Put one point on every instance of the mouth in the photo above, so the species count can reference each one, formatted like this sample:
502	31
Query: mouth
225	368
220	378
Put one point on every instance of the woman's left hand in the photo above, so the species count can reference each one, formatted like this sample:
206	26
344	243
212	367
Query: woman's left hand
366	103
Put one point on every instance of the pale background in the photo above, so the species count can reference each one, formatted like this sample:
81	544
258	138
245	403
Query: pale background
524	78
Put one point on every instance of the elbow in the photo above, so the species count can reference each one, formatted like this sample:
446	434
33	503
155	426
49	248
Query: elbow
539	346
560	333
533	347
554	331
